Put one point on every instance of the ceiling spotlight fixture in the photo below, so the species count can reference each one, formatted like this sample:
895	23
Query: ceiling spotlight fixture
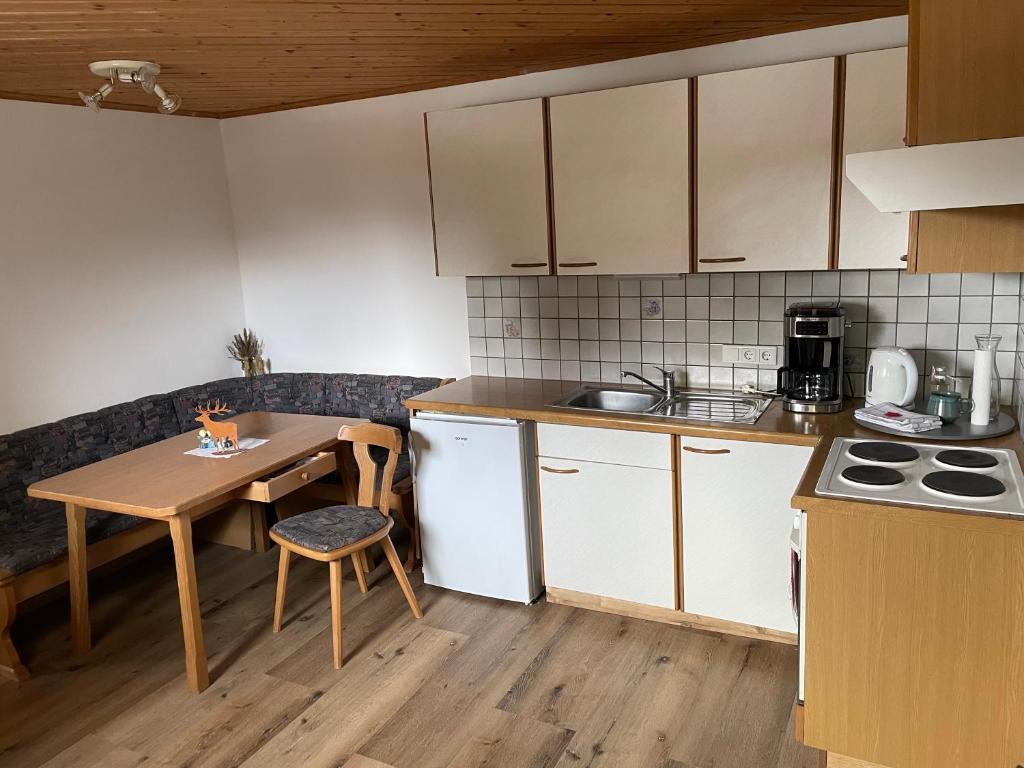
92	100
141	73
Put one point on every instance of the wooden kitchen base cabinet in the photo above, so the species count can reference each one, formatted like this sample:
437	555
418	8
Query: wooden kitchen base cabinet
915	618
607	519
839	761
736	522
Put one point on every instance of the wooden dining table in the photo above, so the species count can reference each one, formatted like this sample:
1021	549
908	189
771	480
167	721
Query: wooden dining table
161	482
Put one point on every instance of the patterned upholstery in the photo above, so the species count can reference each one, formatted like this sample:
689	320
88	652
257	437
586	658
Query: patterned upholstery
238	393
291	393
157	420
330	528
396	390
33	531
42	536
402	469
377	398
352	394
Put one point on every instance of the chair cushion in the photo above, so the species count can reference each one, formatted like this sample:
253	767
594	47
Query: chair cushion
330	528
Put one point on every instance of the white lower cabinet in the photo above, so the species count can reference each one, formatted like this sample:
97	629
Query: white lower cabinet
606	524
736	529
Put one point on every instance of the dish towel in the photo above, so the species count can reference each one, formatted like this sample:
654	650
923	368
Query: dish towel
894	417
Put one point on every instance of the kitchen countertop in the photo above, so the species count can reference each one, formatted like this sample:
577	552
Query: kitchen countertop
531	399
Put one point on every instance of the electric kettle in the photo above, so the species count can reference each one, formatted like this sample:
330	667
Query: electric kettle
892	377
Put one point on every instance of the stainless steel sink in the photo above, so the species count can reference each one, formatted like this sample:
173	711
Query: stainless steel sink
710	405
619	400
685	405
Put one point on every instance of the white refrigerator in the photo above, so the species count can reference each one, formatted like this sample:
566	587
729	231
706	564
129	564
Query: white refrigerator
476	504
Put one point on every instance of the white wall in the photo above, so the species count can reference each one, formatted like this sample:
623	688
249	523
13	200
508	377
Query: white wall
332	212
118	271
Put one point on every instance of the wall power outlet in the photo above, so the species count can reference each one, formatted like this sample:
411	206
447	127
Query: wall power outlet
744	355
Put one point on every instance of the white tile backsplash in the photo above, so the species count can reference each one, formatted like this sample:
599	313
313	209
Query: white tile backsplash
593	327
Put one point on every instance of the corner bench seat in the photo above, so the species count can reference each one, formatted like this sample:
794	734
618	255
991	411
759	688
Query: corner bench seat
33	532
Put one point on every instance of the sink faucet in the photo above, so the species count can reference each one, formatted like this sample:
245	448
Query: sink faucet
668	386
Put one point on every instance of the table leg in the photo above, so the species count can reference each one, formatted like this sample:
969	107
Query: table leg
188	596
78	580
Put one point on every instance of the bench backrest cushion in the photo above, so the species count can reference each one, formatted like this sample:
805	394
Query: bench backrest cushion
26	457
291	393
377	398
157	420
238	393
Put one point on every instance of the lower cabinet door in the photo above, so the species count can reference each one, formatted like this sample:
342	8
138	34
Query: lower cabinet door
607	530
737	521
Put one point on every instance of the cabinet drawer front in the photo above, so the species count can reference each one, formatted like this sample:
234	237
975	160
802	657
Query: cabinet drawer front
608	530
610	446
273	488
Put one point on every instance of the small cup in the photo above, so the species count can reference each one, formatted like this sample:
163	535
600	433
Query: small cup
948	406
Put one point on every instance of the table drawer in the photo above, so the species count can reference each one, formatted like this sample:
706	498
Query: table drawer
272	488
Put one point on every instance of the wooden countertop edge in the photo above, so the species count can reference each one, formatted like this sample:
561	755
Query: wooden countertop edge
615	421
976	520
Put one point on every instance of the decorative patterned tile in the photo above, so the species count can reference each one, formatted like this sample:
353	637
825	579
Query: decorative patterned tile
651	307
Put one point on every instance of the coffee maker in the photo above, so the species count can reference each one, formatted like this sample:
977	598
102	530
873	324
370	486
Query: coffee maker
811	379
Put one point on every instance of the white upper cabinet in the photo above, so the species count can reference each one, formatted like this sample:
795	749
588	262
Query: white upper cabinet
620	180
875	118
488	186
764	167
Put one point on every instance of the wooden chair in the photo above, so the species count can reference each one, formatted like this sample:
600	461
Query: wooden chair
331	533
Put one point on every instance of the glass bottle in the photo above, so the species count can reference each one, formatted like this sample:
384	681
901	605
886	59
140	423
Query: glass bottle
985	382
939	382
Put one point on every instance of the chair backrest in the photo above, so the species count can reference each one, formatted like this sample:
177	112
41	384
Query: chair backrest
362	436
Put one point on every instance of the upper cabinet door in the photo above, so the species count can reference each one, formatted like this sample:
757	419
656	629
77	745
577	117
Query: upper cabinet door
764	167
620	179
875	118
488	186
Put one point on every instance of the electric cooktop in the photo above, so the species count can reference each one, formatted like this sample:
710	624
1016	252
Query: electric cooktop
924	475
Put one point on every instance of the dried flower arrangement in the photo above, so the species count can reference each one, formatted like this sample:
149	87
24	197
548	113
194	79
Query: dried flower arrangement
247	349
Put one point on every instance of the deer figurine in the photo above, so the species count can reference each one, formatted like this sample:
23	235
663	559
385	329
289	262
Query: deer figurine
219	430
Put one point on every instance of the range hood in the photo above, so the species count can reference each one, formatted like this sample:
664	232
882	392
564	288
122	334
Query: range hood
965	174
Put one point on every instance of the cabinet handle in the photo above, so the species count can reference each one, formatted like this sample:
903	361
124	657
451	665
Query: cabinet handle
304	477
528	264
729	260
708	451
903	257
577	263
560	471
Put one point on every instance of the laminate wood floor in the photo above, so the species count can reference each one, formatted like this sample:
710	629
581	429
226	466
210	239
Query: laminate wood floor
476	682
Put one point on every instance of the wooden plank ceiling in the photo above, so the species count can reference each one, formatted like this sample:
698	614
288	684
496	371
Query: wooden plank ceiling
231	57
